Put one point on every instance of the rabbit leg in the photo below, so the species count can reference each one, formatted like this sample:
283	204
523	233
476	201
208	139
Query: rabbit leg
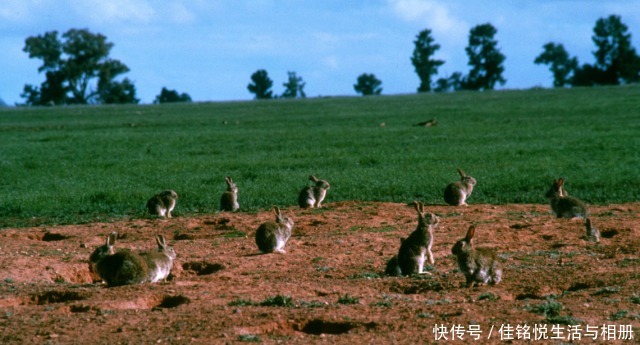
420	260
496	274
470	281
482	275
463	199
320	197
280	247
430	255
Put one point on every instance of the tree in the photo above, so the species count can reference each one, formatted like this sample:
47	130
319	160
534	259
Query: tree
119	93
450	83
294	87
561	65
77	69
51	92
616	60
484	58
424	65
171	96
368	84
261	85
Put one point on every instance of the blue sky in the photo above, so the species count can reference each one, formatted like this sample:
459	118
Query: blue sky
209	48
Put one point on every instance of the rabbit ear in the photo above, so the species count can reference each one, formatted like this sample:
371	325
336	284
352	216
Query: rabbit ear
111	239
313	178
587	222
276	210
462	174
470	233
416	205
229	180
560	182
162	243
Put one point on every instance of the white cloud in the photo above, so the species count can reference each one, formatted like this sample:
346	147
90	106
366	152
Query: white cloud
180	14
331	62
432	15
114	11
17	10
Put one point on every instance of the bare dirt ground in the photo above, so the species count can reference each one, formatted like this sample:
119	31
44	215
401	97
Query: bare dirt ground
330	287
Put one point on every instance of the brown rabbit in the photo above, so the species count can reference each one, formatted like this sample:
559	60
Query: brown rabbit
162	203
273	236
479	265
121	267
416	249
160	261
563	205
457	193
229	199
311	197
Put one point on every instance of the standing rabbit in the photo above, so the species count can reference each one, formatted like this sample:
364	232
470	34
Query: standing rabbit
273	236
162	203
479	265
456	193
160	261
563	205
313	196
416	249
229	199
121	267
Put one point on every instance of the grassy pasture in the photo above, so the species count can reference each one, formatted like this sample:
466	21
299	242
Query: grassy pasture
78	164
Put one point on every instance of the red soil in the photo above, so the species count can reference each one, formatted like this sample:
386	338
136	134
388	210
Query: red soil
220	288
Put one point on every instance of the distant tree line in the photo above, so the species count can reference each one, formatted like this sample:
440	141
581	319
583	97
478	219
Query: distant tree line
261	85
617	62
78	69
171	96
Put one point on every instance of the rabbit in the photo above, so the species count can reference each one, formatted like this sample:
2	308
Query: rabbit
273	236
479	265
313	196
229	199
429	123
416	248
162	203
160	261
121	267
563	205
456	193
593	234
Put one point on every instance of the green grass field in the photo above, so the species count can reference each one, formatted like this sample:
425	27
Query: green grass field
79	164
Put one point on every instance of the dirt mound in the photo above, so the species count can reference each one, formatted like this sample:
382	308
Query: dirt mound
329	287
